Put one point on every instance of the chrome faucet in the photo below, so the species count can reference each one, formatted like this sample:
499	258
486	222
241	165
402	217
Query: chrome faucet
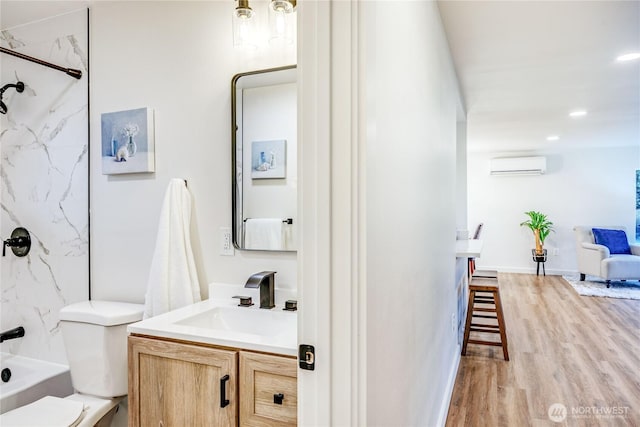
265	280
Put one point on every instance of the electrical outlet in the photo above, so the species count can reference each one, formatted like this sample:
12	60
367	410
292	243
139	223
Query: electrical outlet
226	245
556	251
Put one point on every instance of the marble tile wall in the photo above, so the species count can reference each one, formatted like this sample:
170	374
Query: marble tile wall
44	181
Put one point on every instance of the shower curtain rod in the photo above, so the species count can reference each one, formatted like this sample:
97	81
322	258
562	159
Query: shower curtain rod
69	71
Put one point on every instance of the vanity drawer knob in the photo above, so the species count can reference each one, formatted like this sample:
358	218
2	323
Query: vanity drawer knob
278	398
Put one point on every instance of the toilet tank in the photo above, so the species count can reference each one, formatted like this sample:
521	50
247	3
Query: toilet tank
95	339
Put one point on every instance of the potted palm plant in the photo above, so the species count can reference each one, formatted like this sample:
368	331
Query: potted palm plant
541	227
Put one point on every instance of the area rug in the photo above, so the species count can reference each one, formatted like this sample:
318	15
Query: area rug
596	287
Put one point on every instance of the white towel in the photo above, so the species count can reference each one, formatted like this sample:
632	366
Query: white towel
263	233
173	279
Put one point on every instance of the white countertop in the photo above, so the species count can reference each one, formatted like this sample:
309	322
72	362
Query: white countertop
167	326
469	248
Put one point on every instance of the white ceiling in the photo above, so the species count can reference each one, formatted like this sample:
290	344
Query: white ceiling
524	65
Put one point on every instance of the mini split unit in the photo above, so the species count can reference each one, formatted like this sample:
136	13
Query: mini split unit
518	166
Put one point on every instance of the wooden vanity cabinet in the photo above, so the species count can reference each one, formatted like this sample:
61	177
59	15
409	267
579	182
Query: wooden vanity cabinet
186	384
176	384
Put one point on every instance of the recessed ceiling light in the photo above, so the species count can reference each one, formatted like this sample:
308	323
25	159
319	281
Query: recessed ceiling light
629	56
553	138
578	113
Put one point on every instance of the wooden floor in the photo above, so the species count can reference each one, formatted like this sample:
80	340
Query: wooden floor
581	352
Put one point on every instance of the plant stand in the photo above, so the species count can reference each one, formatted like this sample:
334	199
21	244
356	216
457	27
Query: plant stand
539	259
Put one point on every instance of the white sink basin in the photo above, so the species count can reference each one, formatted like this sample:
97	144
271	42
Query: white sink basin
221	322
244	320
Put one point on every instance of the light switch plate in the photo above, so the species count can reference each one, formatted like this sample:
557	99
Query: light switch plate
226	244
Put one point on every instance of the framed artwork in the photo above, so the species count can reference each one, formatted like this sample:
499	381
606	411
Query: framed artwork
268	159
128	142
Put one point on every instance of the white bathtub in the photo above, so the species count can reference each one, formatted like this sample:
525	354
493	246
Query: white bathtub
31	379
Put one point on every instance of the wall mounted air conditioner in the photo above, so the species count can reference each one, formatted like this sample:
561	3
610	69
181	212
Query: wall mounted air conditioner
518	166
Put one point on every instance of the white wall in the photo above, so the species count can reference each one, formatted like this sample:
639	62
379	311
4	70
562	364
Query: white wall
177	58
411	215
461	178
587	187
271	111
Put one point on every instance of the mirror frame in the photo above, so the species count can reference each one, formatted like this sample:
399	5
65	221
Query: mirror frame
236	190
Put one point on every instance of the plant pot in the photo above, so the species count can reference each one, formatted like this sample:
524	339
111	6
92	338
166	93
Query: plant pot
539	257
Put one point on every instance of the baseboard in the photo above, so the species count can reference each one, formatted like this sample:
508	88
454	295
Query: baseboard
532	270
446	402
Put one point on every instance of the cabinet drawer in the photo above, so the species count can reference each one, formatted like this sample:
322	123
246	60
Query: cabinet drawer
268	386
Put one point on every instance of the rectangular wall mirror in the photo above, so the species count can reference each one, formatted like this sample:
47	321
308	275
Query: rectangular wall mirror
264	159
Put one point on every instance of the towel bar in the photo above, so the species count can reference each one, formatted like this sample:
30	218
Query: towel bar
286	220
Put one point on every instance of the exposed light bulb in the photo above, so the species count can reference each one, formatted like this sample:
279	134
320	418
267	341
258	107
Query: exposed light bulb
243	31
280	24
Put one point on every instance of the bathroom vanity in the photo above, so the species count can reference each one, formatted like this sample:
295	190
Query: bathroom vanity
183	383
214	363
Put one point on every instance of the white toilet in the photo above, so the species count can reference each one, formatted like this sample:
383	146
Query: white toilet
95	338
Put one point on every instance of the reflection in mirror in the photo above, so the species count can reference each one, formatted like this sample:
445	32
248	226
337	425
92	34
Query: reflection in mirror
264	158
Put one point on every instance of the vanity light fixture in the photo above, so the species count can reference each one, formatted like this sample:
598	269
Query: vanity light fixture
244	25
281	21
628	57
578	113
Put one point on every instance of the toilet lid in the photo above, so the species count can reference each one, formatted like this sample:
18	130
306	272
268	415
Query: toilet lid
48	411
104	313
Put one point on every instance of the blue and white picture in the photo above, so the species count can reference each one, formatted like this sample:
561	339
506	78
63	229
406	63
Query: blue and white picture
638	205
268	159
128	142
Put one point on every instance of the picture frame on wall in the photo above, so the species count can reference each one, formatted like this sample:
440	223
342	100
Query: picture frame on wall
268	159
128	141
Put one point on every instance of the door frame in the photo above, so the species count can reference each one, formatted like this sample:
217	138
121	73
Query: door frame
331	258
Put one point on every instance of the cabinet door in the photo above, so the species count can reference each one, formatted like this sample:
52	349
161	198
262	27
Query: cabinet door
174	384
268	390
